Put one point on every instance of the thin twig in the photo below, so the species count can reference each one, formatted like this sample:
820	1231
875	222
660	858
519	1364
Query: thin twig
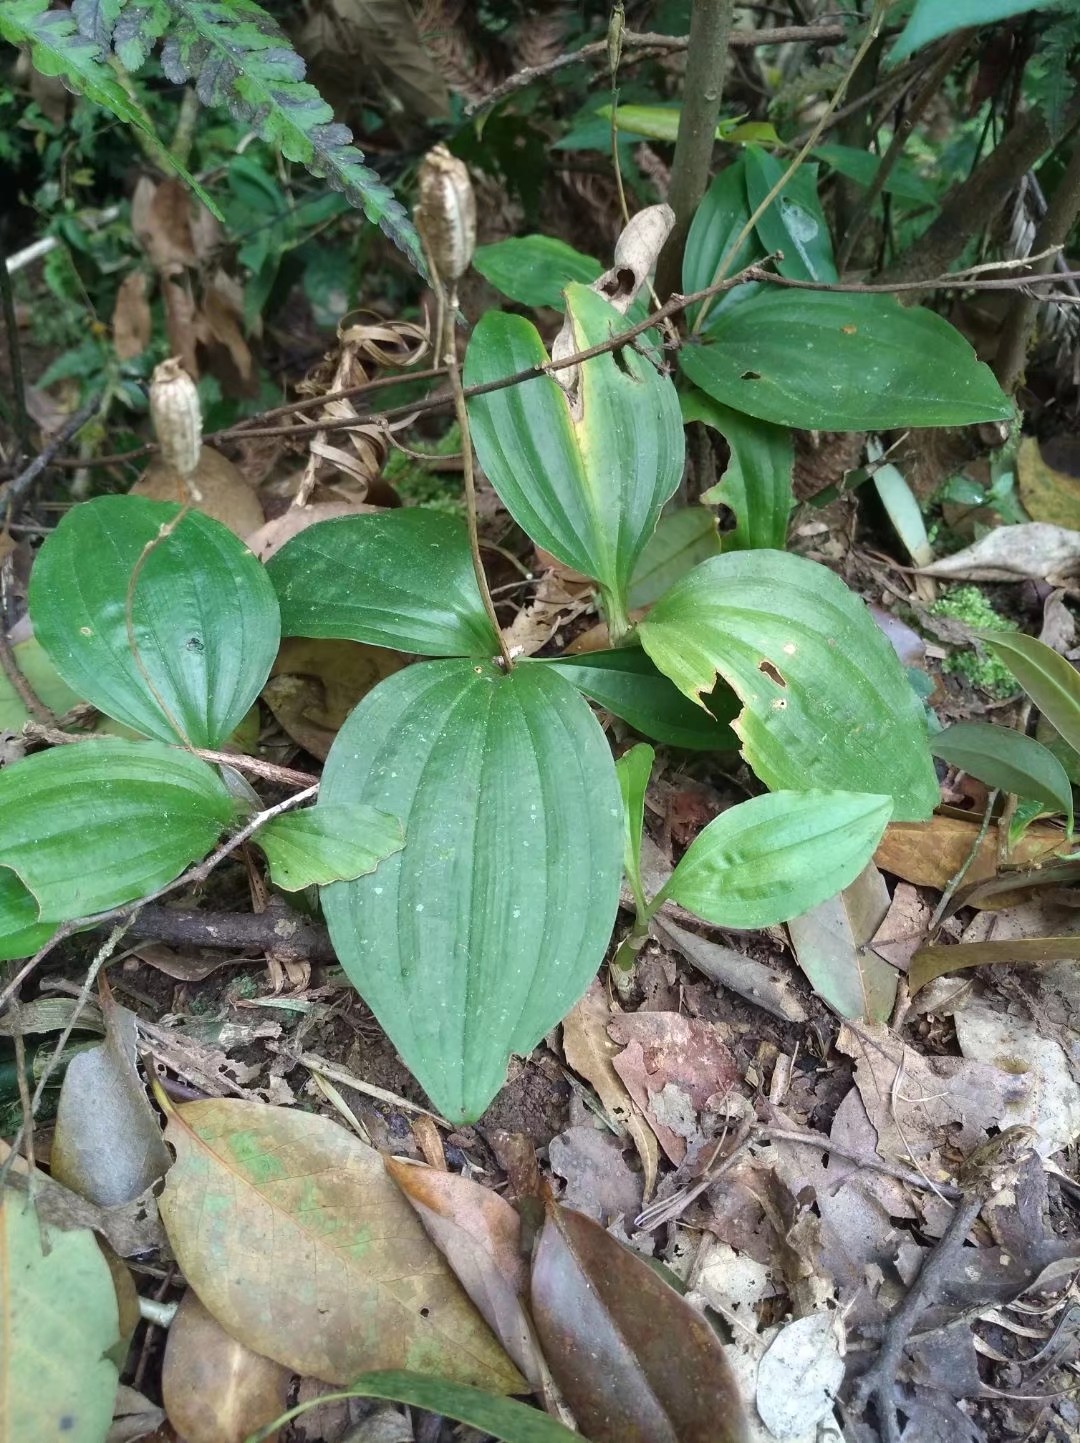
18	380
824	34
965	866
26	693
16	491
192	877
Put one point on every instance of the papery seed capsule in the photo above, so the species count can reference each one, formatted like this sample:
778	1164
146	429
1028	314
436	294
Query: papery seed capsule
446	212
176	416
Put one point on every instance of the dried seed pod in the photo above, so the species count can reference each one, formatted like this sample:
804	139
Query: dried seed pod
446	213
176	416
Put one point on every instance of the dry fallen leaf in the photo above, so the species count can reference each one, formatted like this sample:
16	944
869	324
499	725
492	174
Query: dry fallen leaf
831	945
930	854
226	496
216	1390
314	685
273	536
589	1052
635	1363
599	1181
303	1248
479	1235
131	321
1034	550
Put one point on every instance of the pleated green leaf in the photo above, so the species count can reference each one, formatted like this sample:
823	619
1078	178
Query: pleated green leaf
826	703
773	857
205	618
1002	757
403	579
92	826
477	937
326	844
1049	680
21	934
584	476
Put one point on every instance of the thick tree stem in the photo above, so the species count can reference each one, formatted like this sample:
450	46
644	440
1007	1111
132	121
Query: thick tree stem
975	204
706	63
1019	324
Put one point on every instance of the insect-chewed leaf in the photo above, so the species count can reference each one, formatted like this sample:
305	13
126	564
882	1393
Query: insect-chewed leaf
58	1319
481	934
825	701
585	477
757	483
402	579
92	826
300	1245
635	1362
204	617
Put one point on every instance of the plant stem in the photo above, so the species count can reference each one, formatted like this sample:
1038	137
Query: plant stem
710	30
1019	323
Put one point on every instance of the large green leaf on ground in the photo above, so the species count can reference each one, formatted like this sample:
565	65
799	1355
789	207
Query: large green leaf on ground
58	1320
757	483
834	361
534	270
303	1248
682	538
21	934
327	844
768	859
626	683
91	826
402	579
483	932
930	19
793	224
826	702
204	616
585	477
1005	758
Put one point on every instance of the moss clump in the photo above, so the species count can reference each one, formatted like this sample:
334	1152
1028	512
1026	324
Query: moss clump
420	486
968	605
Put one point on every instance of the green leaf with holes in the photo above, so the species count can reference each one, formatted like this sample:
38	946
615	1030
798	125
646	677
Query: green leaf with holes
402	579
826	704
823	360
205	619
482	933
91	826
771	858
584	475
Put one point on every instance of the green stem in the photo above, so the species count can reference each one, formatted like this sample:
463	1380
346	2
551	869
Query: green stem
619	624
706	62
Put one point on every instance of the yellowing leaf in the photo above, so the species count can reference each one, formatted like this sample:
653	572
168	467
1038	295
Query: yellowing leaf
300	1245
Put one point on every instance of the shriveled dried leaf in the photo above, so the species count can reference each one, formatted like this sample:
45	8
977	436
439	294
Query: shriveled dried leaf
635	1362
131	321
302	1247
215	1389
479	1235
1034	550
273	536
220	322
134	1416
344	37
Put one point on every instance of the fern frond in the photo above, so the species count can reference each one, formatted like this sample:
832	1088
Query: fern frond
238	57
58	48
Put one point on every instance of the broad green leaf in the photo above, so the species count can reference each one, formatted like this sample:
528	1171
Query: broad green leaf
661	122
682	538
585	478
401	579
205	618
500	1418
861	166
481	934
58	1320
843	362
634	1361
91	826
757	483
1049	680
831	947
534	270
902	506
768	859
1004	758
793	223
718	221
930	19
633	769
21	934
327	844
302	1247
826	702
45	681
626	683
